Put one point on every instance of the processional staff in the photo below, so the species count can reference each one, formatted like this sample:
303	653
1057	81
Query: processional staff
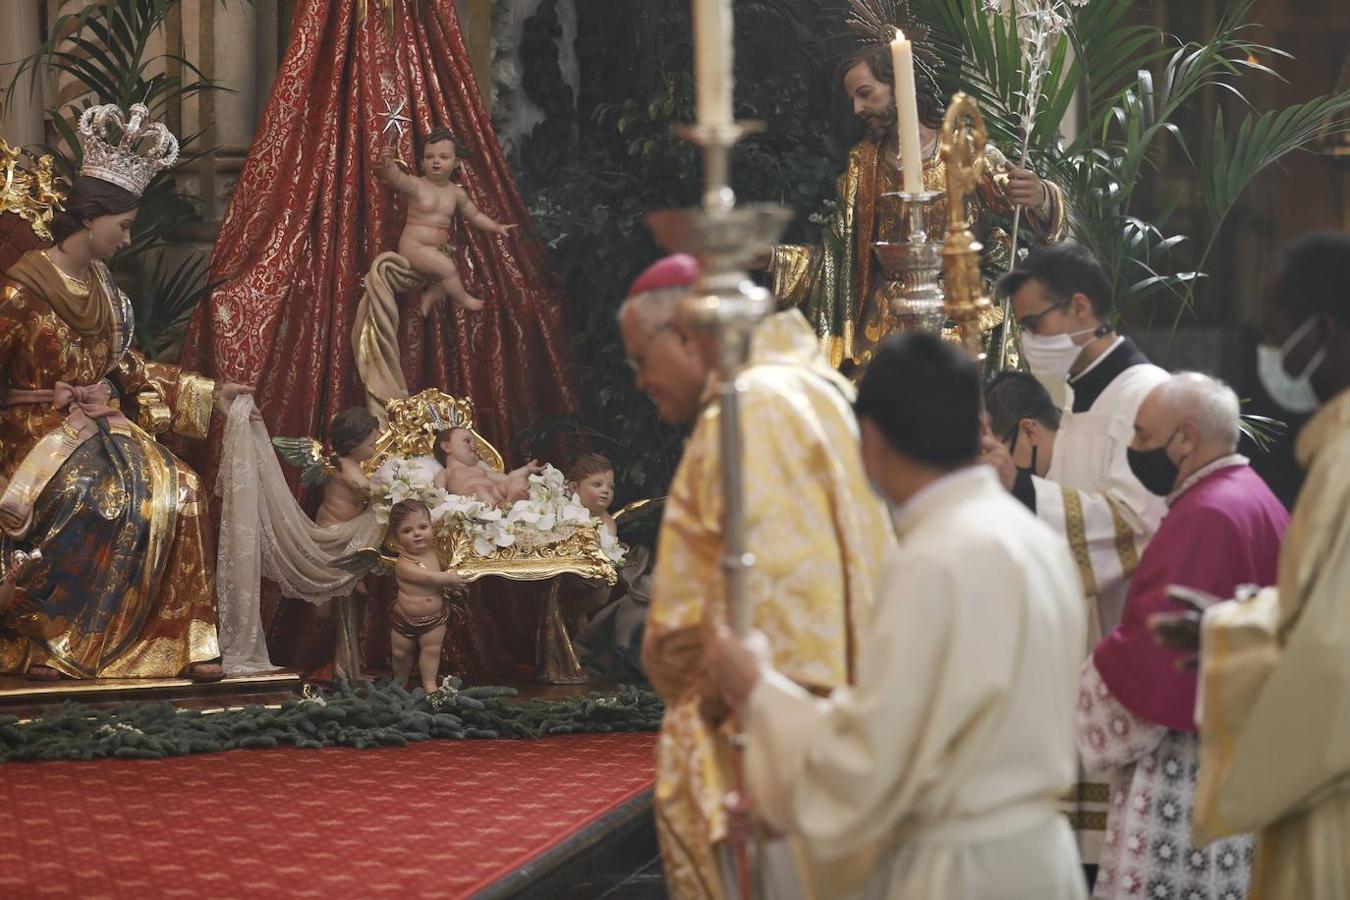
726	239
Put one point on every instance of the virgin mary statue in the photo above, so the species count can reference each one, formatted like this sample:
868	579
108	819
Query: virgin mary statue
122	583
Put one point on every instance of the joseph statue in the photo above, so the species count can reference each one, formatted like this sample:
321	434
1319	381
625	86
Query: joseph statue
833	283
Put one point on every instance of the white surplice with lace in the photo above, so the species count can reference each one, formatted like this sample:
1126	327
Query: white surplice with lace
1147	853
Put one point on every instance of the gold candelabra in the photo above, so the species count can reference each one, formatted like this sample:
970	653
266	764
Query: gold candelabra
963	142
929	283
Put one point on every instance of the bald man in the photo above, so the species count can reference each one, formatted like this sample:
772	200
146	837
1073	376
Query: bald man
1136	705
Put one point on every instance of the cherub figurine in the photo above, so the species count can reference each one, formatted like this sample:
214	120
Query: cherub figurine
463	475
593	476
433	202
346	495
346	492
418	616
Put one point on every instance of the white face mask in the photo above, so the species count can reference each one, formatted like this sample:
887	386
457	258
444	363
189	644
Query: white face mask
1295	394
1051	356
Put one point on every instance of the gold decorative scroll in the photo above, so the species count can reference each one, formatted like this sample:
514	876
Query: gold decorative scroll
32	195
415	422
579	555
963	145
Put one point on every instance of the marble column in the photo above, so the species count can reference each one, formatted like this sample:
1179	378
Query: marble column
21	124
226	41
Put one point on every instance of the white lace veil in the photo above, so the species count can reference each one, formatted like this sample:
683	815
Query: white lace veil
265	534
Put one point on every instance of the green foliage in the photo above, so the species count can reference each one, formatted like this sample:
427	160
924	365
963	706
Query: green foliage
164	298
591	218
1130	111
107	49
588	201
368	716
1264	431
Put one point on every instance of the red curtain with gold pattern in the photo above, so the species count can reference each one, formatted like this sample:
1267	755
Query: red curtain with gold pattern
308	216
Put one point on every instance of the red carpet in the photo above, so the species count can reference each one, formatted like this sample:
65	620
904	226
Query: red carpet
440	818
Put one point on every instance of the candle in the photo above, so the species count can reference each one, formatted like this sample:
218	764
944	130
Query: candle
907	113
713	62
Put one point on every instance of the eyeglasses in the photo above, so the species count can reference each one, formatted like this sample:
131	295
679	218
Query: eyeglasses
637	361
1033	321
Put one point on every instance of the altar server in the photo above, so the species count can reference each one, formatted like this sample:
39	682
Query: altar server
935	778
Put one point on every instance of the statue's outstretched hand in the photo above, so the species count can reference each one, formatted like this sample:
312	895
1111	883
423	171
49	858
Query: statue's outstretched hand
226	394
504	229
1025	187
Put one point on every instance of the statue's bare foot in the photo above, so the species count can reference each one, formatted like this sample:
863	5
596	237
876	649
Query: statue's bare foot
472	304
43	673
431	296
205	672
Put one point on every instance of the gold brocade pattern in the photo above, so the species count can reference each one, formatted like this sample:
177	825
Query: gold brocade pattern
819	535
155	417
836	293
192	414
126	584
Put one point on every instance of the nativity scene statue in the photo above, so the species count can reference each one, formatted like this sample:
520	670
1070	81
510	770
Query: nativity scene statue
107	525
835	283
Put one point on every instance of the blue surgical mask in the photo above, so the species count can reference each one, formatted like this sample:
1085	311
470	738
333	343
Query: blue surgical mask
1294	393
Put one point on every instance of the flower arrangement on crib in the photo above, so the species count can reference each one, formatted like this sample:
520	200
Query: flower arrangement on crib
551	514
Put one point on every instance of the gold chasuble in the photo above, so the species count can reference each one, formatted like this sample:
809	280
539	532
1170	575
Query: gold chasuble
819	535
1274	682
125	586
833	283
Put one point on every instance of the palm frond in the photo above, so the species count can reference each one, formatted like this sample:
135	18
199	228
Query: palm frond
165	298
1262	140
1263	430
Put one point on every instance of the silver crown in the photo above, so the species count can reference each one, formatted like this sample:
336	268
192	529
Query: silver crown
125	163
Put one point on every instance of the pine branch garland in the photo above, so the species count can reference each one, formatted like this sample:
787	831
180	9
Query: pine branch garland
381	715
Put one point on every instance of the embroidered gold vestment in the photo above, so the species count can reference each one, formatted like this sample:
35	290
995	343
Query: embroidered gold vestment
819	535
1274	736
125	584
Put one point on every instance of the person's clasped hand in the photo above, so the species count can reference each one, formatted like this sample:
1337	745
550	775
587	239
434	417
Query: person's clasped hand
734	664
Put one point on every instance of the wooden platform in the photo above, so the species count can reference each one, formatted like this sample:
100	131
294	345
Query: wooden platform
19	696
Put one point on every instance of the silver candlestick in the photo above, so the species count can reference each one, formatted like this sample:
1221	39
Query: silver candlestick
912	266
726	239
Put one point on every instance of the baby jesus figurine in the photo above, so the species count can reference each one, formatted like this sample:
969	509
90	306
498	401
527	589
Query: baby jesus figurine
433	202
464	476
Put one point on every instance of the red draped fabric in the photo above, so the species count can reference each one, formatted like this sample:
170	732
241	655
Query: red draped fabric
308	216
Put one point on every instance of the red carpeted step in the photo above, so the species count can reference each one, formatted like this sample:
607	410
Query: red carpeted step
440	818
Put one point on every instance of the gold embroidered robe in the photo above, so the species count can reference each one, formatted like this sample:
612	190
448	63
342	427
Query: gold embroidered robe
1274	676
820	536
833	283
125	586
